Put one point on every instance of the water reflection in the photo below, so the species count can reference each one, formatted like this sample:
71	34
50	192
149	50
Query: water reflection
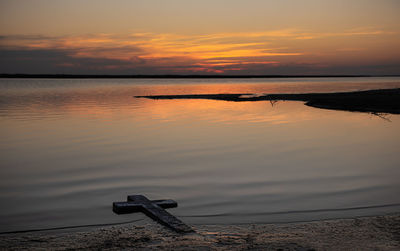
69	149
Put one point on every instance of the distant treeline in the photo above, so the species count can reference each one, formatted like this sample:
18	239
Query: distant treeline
182	76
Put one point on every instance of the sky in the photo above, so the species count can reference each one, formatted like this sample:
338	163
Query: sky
236	37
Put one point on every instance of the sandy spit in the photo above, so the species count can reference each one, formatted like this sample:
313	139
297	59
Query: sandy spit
366	233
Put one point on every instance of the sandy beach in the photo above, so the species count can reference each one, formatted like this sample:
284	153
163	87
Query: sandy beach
365	233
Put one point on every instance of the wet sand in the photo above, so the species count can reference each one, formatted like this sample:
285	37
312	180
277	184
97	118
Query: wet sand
366	233
372	101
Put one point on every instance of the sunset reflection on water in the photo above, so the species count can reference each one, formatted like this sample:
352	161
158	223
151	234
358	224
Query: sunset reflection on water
67	142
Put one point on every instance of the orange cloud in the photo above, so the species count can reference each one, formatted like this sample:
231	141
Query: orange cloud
209	53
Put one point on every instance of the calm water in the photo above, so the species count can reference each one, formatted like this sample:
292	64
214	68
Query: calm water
69	148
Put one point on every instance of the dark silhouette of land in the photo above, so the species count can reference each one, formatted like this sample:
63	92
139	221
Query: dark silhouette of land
372	101
182	76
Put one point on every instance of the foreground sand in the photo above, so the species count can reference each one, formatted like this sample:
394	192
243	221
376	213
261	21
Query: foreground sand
367	233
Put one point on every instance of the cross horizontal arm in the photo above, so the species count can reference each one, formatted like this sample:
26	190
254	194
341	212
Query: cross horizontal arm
126	207
161	203
165	203
133	207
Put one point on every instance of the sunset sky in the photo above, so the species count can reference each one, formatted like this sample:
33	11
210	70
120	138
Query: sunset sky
200	37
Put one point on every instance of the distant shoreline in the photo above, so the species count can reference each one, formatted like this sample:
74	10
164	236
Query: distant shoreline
166	76
372	101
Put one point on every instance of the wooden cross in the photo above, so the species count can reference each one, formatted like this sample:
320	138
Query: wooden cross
154	209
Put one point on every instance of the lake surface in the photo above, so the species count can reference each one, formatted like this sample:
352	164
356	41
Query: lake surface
69	148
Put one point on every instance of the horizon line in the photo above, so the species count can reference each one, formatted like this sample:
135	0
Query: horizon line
23	75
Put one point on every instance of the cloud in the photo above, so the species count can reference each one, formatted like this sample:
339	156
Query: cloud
267	52
55	61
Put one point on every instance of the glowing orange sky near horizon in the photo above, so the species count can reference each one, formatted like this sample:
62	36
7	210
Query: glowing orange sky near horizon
207	37
230	51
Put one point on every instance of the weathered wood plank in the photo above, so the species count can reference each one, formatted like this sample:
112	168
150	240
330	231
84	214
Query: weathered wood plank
153	209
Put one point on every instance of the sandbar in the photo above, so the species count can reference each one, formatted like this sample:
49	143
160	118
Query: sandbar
371	101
